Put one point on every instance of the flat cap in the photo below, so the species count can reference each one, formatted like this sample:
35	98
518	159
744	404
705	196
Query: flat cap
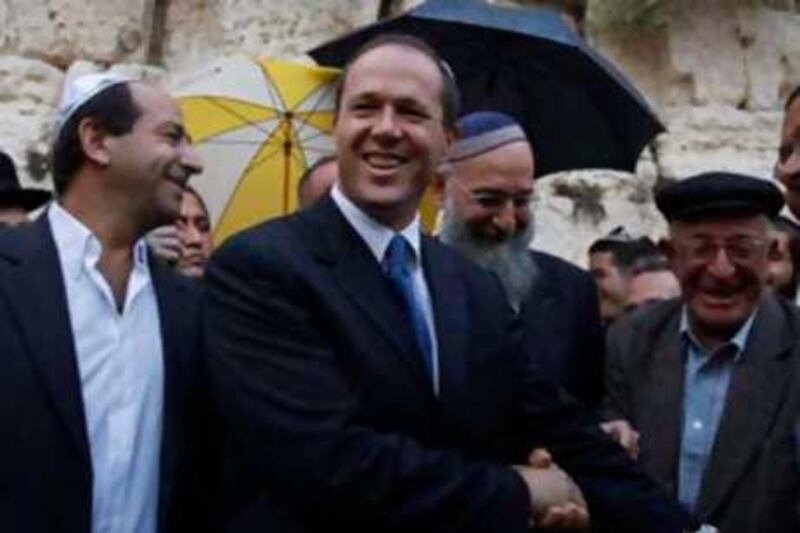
718	193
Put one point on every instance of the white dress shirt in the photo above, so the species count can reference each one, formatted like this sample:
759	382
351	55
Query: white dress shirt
377	237
120	362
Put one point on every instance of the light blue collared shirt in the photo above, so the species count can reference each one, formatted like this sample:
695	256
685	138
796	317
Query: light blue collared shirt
120	362
377	237
707	376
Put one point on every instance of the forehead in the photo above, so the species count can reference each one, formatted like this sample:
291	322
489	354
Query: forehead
190	204
727	226
394	70
155	105
509	167
602	260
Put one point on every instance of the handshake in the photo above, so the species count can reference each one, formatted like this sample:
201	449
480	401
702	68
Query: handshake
556	501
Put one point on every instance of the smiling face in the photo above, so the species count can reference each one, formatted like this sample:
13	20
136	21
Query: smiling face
389	132
149	166
491	193
722	266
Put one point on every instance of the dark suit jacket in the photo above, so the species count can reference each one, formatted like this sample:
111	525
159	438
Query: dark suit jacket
331	416
752	481
45	464
561	320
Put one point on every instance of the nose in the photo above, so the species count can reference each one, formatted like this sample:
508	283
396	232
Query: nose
191	236
505	220
721	266
190	159
386	125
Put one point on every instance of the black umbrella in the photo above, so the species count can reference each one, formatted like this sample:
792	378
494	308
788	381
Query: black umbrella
578	110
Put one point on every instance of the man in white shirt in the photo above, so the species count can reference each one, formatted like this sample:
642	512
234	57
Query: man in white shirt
99	368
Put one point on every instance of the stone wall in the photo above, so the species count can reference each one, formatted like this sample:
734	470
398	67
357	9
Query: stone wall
716	71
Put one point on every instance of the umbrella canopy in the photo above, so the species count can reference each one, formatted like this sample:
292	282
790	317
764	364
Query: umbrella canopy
257	124
578	110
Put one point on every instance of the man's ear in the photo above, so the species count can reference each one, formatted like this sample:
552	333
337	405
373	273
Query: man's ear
94	141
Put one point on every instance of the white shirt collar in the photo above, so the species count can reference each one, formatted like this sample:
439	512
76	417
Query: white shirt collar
78	246
375	234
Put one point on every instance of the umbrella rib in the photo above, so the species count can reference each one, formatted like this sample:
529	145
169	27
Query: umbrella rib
314	135
232	142
227	109
271	83
261	160
314	108
299	158
252	165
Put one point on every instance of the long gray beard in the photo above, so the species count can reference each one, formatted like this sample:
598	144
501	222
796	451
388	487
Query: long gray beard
510	259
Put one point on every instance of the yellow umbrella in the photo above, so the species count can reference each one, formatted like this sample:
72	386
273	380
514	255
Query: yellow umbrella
257	124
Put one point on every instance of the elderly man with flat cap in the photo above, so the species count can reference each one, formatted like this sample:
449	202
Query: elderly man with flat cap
100	375
710	380
486	188
15	201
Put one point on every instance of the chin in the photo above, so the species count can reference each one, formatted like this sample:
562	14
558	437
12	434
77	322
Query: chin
192	271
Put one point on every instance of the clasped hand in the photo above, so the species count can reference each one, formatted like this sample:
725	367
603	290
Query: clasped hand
556	501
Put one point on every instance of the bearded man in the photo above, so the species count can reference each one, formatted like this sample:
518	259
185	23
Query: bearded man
486	189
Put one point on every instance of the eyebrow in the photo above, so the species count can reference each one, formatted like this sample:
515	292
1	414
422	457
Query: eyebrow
173	125
496	190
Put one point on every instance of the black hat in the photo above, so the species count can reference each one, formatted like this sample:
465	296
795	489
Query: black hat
718	193
11	194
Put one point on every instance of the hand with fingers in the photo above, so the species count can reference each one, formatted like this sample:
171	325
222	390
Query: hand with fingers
556	501
165	243
624	435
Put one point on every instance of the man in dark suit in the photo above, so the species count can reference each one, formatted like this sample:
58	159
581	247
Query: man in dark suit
485	189
371	378
711	380
100	361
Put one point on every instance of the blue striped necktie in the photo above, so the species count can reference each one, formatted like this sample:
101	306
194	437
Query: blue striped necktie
397	261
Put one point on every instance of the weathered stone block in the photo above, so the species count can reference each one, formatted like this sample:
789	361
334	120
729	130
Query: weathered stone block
61	31
199	30
718	138
29	90
574	208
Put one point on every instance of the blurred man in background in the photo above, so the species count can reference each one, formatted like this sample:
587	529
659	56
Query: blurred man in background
15	201
316	181
187	244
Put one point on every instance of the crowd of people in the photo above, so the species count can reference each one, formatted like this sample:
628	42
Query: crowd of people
339	370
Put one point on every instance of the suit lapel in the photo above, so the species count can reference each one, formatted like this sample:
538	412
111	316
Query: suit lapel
663	402
757	388
358	275
36	295
173	340
449	311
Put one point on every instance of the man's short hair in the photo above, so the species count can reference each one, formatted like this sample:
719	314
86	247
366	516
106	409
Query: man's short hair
308	172
631	256
113	109
450	98
191	190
